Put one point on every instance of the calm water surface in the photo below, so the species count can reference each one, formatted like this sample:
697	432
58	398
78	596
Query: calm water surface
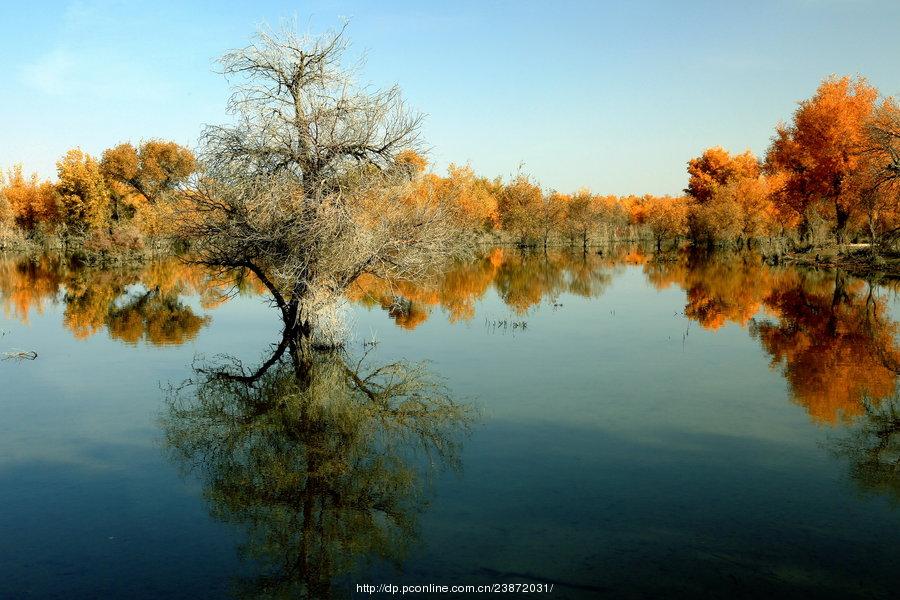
611	424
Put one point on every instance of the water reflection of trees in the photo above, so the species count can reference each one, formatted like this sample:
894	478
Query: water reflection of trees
872	447
832	336
521	279
720	287
131	303
146	303
322	459
835	341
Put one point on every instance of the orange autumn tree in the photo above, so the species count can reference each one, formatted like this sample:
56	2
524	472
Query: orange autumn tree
475	198
612	214
876	181
151	170
715	168
732	198
636	208
30	202
6	214
820	150
410	161
471	199
759	216
142	178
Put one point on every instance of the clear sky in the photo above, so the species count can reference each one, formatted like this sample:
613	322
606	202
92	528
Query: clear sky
616	96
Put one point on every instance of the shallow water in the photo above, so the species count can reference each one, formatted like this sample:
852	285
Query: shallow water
701	426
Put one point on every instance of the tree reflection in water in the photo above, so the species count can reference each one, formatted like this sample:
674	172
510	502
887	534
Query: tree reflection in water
131	304
521	279
872	447
324	460
831	336
835	342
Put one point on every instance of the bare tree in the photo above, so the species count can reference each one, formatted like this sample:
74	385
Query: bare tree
300	111
302	189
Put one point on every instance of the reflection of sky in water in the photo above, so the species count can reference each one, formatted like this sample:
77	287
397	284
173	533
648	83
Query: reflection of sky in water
616	453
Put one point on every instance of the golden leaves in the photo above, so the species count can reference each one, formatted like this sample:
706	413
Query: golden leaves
29	201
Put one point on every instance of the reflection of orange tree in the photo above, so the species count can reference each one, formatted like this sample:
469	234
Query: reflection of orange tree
27	286
131	304
835	346
521	279
160	319
832	337
720	288
90	296
112	299
410	304
524	279
407	304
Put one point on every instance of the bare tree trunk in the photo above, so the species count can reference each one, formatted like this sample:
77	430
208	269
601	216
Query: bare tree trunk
873	237
842	216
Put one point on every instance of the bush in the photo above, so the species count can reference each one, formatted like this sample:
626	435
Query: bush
120	240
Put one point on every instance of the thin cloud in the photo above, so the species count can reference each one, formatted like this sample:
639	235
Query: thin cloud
50	74
91	77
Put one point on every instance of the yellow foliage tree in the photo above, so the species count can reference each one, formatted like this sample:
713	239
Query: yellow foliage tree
141	179
6	215
667	218
411	161
581	216
83	194
520	203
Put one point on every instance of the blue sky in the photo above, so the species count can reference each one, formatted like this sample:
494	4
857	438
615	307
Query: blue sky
616	96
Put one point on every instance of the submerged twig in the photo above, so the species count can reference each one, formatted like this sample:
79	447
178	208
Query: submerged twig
20	355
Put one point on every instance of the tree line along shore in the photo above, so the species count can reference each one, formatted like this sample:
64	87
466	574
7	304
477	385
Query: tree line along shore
826	192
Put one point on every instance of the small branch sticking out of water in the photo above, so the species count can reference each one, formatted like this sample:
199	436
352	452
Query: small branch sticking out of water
372	342
20	355
504	325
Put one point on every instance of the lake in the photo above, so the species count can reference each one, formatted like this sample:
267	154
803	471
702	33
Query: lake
611	424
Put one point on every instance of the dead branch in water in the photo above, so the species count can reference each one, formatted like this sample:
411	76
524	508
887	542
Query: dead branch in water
20	355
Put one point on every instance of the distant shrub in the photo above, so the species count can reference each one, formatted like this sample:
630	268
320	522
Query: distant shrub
121	239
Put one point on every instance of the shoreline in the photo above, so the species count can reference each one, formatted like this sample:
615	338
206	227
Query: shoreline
862	265
858	261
